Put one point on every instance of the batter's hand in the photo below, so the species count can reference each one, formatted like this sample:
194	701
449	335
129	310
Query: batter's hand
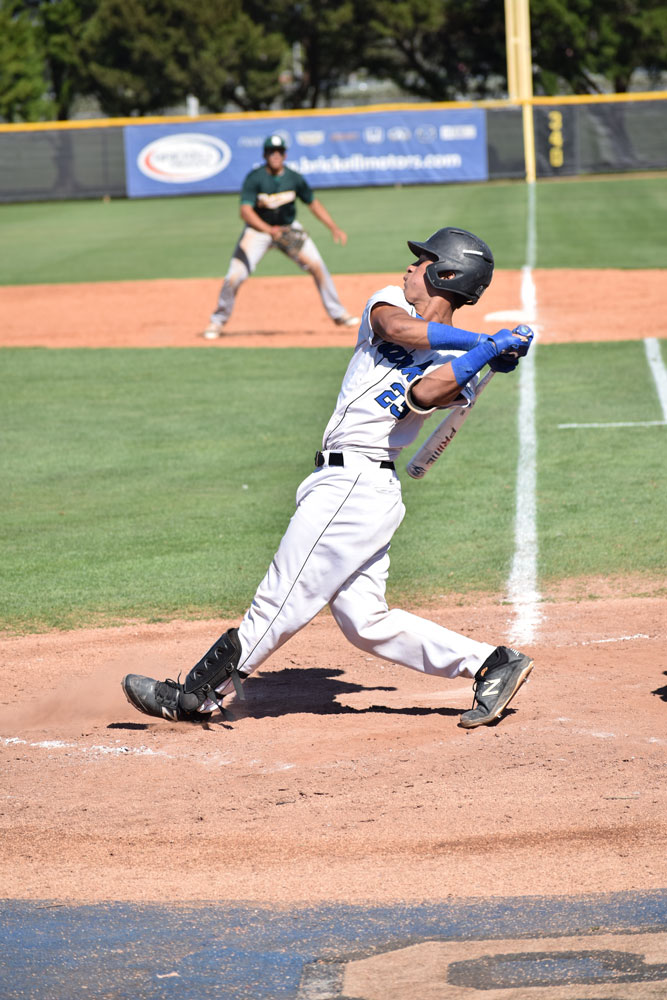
514	343
503	363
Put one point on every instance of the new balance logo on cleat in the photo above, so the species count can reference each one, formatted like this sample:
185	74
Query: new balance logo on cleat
496	682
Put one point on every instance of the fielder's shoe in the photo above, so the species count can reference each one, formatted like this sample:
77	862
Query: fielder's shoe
496	682
159	698
213	331
346	320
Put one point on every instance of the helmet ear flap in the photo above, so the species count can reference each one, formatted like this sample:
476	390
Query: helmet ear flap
465	255
436	279
457	285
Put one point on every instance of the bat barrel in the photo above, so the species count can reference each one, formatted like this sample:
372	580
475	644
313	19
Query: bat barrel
442	436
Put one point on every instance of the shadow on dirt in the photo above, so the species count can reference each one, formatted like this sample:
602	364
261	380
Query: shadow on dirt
315	690
310	690
661	692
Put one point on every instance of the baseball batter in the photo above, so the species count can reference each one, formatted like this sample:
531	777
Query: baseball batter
408	362
268	208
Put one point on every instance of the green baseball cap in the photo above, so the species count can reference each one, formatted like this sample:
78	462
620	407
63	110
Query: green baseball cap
274	142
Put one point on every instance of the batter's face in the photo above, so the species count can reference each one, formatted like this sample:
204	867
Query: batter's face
415	286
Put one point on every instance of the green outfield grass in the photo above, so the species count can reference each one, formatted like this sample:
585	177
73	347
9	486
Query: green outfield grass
581	223
602	491
157	483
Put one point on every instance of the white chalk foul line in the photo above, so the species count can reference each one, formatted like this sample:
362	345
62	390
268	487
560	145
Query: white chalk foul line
531	228
619	638
596	642
522	583
618	423
659	373
97	750
94	748
658	370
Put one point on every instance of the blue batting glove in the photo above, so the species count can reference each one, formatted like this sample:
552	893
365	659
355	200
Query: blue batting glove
514	342
503	363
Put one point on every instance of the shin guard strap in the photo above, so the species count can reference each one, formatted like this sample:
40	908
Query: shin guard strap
218	665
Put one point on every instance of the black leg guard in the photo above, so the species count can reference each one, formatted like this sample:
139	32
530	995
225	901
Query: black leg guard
218	665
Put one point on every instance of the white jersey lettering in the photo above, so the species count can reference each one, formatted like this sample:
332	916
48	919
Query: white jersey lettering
275	200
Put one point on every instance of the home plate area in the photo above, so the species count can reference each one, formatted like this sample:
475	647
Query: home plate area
572	968
607	946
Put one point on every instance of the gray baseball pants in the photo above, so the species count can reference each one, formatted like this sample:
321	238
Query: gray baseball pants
248	252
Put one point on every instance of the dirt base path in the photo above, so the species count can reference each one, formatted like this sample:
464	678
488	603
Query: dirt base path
287	312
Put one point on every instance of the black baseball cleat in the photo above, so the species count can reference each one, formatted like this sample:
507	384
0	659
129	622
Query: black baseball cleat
496	682
163	699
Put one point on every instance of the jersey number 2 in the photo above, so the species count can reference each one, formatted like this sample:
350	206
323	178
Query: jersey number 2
388	399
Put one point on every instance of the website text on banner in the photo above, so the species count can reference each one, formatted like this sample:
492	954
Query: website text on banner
355	150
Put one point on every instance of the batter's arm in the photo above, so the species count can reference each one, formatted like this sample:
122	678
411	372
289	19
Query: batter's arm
397	326
440	387
435	389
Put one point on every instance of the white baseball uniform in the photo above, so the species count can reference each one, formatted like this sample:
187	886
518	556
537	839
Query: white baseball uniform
336	548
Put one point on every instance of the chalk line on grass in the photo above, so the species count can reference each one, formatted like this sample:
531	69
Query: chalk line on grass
659	373
618	423
522	588
658	370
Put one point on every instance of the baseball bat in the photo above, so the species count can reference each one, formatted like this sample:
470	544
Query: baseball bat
443	435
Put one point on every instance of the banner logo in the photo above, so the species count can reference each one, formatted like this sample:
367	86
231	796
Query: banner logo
184	158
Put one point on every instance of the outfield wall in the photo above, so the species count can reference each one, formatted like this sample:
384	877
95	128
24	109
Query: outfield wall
378	145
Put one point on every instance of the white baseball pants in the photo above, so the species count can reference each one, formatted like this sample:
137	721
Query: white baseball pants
336	551
250	249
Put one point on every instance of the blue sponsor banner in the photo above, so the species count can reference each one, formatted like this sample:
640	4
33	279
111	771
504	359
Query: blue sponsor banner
342	150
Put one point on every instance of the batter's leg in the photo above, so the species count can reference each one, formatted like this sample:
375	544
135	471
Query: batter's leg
248	252
324	544
361	611
327	539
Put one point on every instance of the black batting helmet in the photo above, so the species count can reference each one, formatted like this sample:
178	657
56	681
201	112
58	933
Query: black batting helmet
460	252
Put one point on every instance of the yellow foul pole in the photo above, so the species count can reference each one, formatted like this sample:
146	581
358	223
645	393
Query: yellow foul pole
511	45
520	73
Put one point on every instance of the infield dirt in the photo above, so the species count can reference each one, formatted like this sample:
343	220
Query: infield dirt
287	312
342	778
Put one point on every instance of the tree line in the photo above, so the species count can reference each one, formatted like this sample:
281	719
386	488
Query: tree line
138	57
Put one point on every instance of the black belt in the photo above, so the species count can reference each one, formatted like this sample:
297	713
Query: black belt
336	458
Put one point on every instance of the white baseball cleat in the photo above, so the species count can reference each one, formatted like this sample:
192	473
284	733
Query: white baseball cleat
213	331
347	320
